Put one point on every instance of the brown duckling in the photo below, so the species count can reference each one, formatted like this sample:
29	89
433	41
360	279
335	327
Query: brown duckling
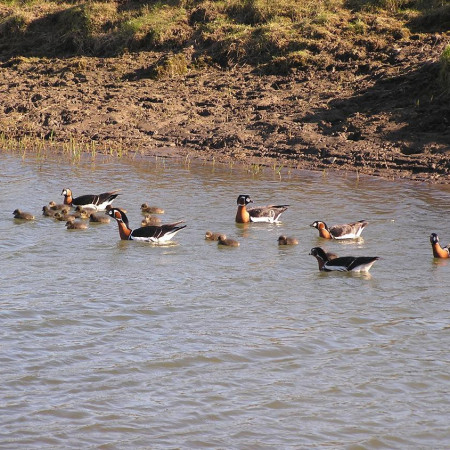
84	213
48	212
284	240
58	206
21	215
62	217
223	240
149	220
151	209
99	218
210	236
73	224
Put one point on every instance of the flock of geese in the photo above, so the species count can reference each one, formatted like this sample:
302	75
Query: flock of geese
151	230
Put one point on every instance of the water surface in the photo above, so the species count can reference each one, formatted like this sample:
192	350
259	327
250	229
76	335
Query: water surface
115	344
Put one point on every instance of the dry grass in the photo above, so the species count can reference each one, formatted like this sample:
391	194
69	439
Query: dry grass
279	36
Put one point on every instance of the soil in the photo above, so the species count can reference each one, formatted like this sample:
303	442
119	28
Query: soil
385	118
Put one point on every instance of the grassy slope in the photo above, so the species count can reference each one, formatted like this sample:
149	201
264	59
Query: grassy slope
276	37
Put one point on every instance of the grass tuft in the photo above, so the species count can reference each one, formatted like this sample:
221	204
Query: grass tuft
444	72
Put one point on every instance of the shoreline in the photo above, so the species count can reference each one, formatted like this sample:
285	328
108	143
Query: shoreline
309	120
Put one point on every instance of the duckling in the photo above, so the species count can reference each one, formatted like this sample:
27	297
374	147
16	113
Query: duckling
73	224
283	240
63	217
210	236
99	218
150	220
48	212
85	213
223	240
58	206
21	215
151	209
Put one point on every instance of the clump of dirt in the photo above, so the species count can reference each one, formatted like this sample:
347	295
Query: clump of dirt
378	115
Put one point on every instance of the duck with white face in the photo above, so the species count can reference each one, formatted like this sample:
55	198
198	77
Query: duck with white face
438	251
96	202
152	233
270	213
351	230
342	263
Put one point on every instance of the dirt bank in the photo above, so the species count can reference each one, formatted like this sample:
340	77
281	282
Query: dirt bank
384	119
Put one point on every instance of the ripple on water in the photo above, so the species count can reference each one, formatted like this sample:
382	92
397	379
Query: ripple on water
121	344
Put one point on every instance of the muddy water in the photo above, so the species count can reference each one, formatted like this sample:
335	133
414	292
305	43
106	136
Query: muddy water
111	344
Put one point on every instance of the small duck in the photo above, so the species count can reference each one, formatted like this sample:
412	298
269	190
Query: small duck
269	213
73	224
438	251
343	263
150	220
21	215
99	218
86	212
96	202
346	231
63	217
155	234
223	240
58	206
48	212
151	209
210	236
284	240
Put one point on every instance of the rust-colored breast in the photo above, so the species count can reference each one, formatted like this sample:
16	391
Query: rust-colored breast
124	231
439	252
242	216
323	232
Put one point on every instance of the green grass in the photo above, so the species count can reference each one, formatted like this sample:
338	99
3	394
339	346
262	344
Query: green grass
444	73
282	35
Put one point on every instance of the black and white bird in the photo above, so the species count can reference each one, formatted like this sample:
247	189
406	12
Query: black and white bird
342	263
270	213
351	230
155	234
97	202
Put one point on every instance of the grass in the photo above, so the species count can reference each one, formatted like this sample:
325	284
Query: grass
288	33
73	149
444	73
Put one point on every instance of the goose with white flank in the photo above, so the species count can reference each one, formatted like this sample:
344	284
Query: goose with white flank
270	213
97	202
343	263
345	231
155	234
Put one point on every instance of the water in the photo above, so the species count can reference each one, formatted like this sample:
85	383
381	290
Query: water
113	344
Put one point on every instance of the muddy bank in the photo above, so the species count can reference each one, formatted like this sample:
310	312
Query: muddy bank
389	121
